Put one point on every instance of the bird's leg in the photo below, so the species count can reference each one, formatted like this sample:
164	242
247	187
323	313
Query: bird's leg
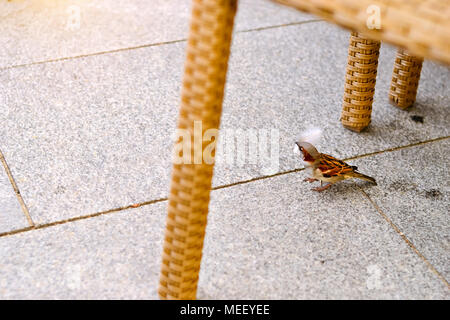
310	180
320	189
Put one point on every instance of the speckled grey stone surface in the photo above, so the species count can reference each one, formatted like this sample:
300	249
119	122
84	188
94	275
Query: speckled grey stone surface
269	239
277	239
86	137
91	134
95	133
32	31
288	85
11	214
106	257
414	192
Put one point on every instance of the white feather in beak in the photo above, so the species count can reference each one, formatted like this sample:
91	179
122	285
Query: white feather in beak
311	135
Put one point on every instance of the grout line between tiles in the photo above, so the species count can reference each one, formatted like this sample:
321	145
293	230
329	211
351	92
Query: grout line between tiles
396	148
51	224
149	45
279	26
34	227
16	190
346	159
92	54
403	236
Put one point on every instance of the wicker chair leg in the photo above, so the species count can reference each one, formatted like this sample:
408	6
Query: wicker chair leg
360	82
405	79
206	64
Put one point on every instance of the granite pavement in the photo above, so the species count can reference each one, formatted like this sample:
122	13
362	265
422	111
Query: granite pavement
89	93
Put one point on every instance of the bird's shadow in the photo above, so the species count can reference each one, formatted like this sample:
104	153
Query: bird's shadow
342	189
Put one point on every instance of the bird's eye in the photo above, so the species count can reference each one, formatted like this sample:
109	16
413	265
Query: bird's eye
301	148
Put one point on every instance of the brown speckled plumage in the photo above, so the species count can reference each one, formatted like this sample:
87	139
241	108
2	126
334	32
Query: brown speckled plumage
326	168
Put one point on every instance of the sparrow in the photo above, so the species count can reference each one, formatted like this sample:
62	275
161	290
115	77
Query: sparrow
326	168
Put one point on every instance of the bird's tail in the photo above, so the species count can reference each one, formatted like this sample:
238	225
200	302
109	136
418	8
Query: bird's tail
355	174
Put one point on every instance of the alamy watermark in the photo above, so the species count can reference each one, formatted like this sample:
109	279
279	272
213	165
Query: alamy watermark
73	276
374	17
234	147
74	18
373	281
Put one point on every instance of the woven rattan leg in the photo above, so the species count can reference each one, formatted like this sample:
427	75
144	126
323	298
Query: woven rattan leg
405	79
206	64
360	82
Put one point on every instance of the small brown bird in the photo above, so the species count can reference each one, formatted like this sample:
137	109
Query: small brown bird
326	168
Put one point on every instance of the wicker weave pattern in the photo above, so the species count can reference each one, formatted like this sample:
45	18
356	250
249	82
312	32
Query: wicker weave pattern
359	82
420	26
202	94
405	79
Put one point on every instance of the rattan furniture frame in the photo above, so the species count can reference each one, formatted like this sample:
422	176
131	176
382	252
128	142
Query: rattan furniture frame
419	26
205	71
